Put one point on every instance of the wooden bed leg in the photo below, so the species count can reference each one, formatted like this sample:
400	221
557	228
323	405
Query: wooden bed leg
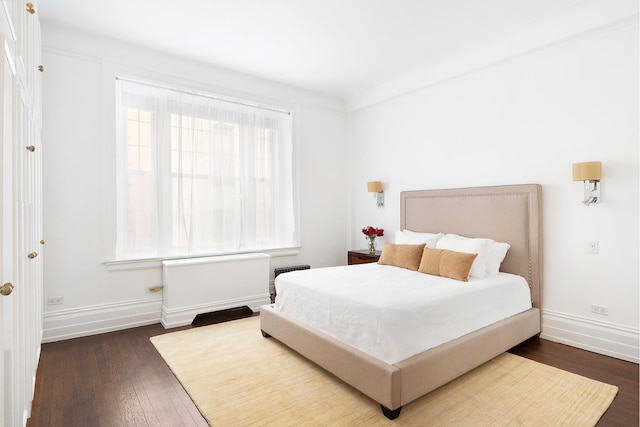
392	414
264	334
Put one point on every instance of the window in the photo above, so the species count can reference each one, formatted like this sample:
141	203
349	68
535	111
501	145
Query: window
200	174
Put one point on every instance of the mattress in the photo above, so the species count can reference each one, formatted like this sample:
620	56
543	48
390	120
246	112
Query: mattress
393	313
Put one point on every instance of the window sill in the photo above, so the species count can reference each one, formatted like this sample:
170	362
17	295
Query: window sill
152	263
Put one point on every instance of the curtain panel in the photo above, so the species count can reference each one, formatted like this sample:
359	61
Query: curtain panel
200	174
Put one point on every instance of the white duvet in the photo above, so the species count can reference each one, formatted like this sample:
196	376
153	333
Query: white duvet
392	313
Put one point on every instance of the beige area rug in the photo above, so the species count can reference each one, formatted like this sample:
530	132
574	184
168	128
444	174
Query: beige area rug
236	377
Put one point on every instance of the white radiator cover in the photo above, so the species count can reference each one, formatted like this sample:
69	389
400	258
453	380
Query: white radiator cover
201	285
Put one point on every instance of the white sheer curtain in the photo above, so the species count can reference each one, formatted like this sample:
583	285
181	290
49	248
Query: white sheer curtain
199	174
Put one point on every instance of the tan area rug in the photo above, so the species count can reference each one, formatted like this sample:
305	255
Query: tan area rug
236	377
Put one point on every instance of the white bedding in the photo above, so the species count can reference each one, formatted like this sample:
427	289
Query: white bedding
393	313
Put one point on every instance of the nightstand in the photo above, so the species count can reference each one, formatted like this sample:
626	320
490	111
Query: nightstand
362	257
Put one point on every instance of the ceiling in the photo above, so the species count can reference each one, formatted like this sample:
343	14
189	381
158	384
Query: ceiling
335	47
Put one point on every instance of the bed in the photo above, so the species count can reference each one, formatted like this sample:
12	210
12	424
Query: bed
508	214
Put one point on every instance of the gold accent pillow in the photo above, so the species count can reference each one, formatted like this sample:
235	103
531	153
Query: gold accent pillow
446	263
404	256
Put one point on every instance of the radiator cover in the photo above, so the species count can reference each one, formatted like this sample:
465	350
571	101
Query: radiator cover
202	285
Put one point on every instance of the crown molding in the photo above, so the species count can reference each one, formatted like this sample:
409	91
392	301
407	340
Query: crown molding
584	19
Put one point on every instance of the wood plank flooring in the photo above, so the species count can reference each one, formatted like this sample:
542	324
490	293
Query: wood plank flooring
119	379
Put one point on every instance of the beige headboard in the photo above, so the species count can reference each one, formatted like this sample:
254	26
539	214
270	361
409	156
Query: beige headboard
508	213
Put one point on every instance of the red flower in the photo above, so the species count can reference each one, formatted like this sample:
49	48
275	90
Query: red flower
370	231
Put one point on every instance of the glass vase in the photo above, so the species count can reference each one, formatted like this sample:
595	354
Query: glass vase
372	246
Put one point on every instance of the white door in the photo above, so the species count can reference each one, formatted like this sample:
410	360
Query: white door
20	210
6	246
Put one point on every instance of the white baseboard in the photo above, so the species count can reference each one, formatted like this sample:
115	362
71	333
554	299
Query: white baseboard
97	319
601	337
172	318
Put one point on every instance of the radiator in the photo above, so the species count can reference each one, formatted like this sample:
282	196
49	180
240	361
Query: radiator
279	270
202	285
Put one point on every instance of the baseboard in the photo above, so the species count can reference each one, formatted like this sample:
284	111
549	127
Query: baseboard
172	318
97	319
598	336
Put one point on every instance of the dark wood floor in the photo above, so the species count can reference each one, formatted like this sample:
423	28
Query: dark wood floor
624	409
119	379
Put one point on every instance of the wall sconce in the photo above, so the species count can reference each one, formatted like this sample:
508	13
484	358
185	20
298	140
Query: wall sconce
590	173
376	187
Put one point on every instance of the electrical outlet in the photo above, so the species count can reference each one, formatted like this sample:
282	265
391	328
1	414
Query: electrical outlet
598	309
55	300
592	247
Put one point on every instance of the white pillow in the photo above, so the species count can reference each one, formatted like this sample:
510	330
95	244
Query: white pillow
453	242
408	237
497	252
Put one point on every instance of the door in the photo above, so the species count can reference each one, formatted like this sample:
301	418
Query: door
6	245
20	210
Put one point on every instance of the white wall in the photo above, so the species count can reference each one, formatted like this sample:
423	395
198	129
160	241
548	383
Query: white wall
520	118
78	148
526	119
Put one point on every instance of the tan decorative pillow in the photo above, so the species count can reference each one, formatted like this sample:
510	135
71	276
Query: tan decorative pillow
404	256
446	263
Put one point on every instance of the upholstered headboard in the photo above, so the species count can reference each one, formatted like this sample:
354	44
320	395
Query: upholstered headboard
509	213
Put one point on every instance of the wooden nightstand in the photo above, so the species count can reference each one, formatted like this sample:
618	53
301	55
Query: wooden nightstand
362	257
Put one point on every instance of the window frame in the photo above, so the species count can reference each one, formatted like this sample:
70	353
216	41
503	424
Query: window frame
123	263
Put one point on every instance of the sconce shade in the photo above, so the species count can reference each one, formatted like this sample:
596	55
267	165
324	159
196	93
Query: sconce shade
374	186
587	171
